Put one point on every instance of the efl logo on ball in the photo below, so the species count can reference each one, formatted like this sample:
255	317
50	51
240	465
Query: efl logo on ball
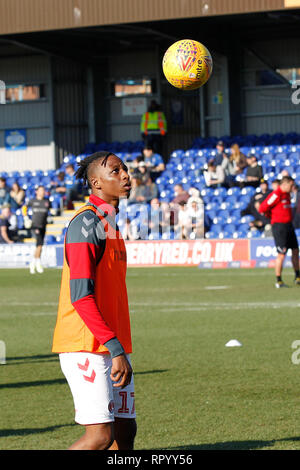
187	64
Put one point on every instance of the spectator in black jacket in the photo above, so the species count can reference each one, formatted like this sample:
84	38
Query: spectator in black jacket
260	221
218	158
254	173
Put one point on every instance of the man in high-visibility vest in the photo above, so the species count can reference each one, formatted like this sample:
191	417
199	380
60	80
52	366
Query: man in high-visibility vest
154	127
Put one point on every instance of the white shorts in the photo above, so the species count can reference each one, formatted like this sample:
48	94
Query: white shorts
95	399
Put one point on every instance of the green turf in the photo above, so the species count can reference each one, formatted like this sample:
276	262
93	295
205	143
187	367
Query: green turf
191	391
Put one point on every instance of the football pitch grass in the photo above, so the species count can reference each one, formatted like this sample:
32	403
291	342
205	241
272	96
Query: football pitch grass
192	392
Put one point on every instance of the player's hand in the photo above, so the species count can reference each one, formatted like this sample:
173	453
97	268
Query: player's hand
121	371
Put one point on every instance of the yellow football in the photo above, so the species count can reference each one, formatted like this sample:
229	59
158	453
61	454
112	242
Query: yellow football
187	64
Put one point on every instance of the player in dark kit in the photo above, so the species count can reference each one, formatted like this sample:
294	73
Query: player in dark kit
40	208
277	206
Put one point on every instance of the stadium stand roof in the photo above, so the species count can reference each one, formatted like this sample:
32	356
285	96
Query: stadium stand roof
19	16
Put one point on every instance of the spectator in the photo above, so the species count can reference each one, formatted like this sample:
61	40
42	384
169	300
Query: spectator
154	161
229	169
58	185
180	195
275	183
5	232
4	192
17	196
166	215
283	173
155	225
195	197
263	192
136	193
182	221
218	159
195	193
254	173
141	172
133	165
149	190
154	127
237	159
215	175
72	186
130	231
258	196
260	221
195	223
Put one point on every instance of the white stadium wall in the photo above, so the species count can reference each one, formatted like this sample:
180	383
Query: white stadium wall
30	119
269	109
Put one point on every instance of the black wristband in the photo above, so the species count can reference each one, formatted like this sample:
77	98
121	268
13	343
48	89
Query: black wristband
115	347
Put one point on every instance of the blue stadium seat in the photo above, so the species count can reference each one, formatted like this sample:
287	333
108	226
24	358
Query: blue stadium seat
206	191
232	200
233	219
168	235
230	228
240	234
190	153
224	213
50	240
220	192
211	234
60	239
46	180
225	234
20	221
250	190
217	220
211	214
246	219
69	159
154	236
177	154
216	227
233	191
200	162
254	234
244	227
11	180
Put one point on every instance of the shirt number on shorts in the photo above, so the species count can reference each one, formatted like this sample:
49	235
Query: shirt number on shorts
124	408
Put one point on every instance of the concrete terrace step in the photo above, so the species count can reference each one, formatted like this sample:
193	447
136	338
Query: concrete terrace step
61	221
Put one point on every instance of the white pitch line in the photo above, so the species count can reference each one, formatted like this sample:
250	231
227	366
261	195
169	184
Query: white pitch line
215	304
165	308
179	304
216	287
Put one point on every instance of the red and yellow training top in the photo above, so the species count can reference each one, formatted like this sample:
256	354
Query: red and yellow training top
93	303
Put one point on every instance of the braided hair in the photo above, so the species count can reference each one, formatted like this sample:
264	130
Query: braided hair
83	170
